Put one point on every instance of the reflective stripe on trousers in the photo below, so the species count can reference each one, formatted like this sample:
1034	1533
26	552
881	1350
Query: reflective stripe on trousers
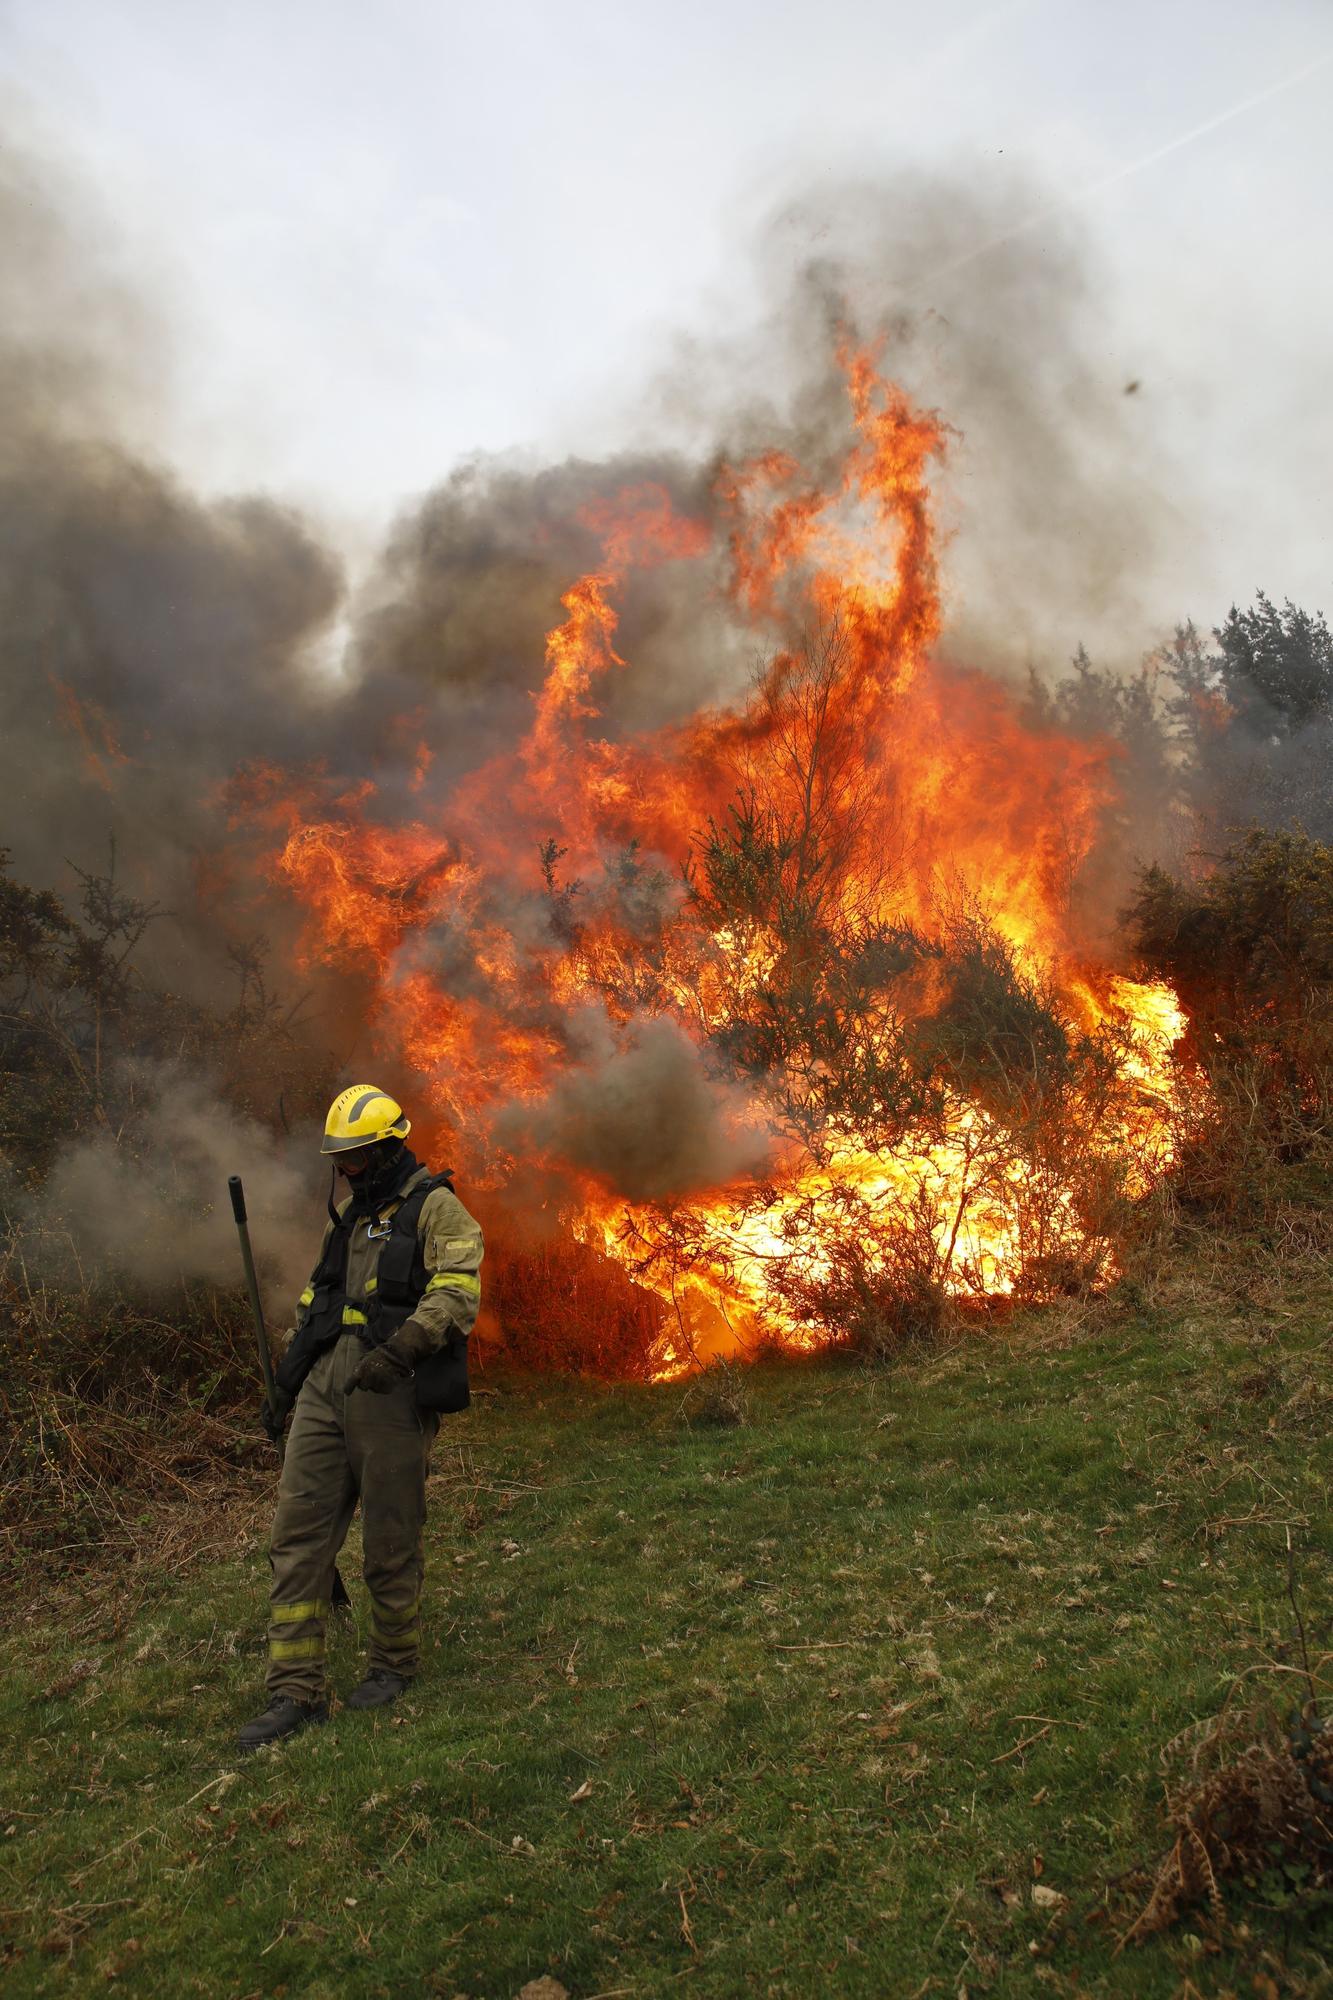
344	1447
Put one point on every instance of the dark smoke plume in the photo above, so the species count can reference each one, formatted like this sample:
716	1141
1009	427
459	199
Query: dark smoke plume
639	1112
156	643
151	641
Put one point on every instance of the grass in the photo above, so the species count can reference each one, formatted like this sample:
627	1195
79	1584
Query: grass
804	1704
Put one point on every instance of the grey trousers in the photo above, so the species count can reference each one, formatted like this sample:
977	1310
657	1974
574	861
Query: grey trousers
342	1448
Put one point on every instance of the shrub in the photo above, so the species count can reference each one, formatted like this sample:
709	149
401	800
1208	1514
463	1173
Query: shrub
717	1398
1249	949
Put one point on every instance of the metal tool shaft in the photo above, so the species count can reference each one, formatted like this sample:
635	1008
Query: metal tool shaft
237	1193
338	1595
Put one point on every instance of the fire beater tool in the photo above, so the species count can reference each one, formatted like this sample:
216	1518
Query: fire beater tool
237	1193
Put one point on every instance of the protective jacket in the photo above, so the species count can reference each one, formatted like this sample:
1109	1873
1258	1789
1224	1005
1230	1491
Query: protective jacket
414	1256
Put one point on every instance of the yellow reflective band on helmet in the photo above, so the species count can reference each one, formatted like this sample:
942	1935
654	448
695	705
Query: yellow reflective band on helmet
353	1316
296	1614
462	1281
307	1297
296	1649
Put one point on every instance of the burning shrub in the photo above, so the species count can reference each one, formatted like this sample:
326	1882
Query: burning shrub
967	1129
561	1305
858	1061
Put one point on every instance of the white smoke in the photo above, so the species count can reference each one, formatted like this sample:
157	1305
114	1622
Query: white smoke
159	1215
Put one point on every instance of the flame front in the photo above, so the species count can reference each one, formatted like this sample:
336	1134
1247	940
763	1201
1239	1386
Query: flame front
572	897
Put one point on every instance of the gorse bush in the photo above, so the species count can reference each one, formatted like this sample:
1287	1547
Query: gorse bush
1248	947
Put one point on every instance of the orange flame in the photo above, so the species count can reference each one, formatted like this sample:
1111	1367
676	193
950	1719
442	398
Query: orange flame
932	793
84	719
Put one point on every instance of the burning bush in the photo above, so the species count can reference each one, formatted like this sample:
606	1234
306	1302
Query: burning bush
782	1008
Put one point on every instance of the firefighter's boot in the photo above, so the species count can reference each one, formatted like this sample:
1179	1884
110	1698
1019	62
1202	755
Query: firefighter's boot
282	1717
378	1689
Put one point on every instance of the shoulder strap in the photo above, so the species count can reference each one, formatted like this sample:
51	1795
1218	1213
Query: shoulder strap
407	1215
400	1273
332	1266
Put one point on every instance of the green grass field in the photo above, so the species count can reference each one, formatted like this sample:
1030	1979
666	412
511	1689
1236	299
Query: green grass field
804	1706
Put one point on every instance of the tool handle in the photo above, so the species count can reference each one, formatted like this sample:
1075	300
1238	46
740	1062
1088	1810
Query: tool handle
237	1194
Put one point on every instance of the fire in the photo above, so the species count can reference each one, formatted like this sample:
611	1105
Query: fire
84	719
819	887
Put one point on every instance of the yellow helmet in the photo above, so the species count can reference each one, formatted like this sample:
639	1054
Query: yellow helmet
360	1115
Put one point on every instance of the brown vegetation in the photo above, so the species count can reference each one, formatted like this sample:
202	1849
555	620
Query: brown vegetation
1249	1800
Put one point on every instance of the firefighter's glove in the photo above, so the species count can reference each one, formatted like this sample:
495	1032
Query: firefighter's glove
381	1370
385	1367
275	1414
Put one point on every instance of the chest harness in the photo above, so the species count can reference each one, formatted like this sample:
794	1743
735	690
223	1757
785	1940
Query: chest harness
393	1292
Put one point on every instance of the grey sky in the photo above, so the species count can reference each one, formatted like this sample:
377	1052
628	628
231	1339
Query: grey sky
387	236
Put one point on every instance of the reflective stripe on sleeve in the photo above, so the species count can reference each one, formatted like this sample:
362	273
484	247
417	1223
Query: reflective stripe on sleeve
461	1281
307	1297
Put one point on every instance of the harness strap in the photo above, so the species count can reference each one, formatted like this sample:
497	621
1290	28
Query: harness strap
393	1291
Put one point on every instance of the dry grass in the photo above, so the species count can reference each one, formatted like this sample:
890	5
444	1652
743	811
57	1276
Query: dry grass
125	1430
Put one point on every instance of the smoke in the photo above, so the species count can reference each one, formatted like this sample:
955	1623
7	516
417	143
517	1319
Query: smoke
157	1213
151	640
639	1112
453	626
156	642
1064	515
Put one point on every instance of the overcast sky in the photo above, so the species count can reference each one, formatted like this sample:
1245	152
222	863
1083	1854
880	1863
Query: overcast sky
387	236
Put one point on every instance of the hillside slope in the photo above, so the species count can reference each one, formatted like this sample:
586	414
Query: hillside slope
805	1705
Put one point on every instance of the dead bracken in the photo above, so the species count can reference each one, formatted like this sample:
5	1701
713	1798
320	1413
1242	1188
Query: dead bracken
1248	1795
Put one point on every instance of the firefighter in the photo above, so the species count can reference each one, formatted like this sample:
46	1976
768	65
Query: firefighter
378	1351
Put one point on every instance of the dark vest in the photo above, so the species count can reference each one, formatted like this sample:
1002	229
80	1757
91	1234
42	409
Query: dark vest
440	1380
